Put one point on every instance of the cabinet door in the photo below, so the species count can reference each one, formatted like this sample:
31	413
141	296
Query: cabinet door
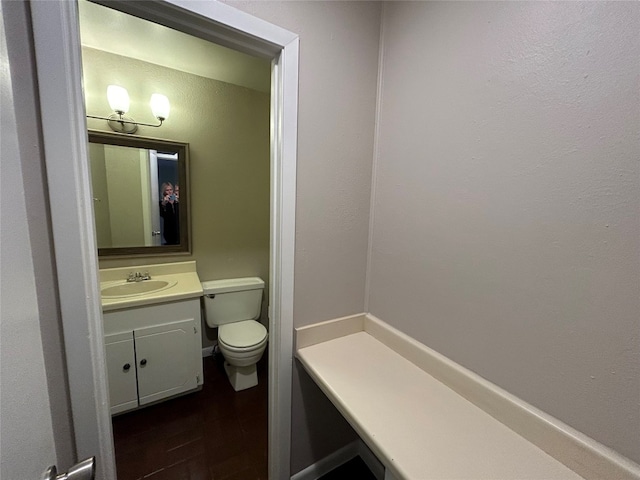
121	370
166	360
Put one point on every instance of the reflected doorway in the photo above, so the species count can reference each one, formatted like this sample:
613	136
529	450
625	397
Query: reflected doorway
128	184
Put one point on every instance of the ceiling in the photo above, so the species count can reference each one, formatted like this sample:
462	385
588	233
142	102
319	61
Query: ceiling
112	31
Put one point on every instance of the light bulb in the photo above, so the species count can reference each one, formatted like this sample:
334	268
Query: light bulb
160	106
118	99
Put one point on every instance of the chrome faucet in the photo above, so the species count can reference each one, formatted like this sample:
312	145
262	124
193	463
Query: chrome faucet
138	277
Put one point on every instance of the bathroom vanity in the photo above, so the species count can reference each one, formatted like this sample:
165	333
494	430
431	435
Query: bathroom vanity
152	333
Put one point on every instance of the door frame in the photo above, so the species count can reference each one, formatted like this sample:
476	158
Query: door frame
64	130
156	238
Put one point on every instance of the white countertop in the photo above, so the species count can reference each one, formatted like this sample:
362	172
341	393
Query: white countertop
184	273
418	427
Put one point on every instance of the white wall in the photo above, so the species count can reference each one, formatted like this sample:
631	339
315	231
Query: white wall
506	227
337	100
24	397
23	170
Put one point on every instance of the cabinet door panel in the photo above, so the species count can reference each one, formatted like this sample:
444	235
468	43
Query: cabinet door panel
121	370
165	356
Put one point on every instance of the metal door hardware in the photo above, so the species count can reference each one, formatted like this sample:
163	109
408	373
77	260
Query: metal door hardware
85	470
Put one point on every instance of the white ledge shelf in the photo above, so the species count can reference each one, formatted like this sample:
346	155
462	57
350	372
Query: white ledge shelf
422	429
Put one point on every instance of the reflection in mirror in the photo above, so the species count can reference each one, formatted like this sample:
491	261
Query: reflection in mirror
140	195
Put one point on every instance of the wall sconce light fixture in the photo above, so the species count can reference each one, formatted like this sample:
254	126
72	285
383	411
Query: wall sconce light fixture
118	98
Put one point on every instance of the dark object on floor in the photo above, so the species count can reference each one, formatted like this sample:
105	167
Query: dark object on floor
354	469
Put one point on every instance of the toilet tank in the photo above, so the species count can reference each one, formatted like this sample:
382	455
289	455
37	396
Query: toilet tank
232	300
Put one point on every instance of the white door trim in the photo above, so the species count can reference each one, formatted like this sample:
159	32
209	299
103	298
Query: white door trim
58	63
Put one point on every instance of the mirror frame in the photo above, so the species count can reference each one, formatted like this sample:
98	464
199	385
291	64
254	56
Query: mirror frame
125	140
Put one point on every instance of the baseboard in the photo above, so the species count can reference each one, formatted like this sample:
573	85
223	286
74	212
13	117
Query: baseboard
328	463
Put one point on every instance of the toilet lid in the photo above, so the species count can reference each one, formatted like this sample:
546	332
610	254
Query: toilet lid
242	334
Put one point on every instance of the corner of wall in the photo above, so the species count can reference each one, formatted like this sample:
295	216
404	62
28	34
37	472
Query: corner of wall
375	157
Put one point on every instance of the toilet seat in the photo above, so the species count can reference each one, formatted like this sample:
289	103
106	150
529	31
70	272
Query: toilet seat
242	336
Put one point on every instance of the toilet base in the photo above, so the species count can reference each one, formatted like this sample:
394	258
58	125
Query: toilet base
241	378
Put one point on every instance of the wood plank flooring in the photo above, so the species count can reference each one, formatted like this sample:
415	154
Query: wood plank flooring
214	434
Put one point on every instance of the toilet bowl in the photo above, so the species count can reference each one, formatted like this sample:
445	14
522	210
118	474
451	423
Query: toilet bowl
233	306
241	354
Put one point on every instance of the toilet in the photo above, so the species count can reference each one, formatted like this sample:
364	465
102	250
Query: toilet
232	306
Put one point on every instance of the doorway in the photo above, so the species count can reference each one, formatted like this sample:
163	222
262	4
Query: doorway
57	45
219	109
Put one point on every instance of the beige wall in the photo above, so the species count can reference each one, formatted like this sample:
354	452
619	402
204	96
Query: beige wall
125	168
337	102
100	195
227	128
507	196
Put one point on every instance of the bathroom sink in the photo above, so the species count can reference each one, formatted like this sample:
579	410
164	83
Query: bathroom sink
130	289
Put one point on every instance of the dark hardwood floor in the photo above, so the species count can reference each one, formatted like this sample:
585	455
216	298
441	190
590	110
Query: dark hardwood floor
214	434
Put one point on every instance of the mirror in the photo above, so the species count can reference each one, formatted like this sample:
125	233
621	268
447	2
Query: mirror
140	195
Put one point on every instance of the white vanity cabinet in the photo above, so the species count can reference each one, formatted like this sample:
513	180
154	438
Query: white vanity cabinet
152	352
